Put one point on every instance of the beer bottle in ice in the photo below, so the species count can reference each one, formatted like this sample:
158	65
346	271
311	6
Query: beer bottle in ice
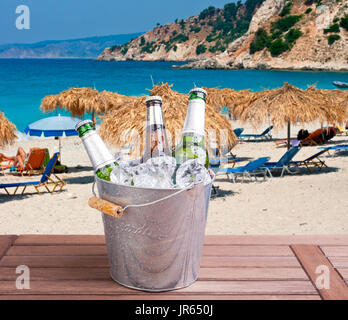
156	143
102	160
192	144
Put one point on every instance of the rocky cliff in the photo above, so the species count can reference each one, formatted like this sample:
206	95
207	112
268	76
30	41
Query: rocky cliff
198	37
269	34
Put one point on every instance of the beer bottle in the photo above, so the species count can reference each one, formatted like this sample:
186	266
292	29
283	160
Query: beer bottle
156	143
102	160
192	144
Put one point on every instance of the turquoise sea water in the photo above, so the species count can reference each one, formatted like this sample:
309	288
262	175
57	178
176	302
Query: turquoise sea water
23	83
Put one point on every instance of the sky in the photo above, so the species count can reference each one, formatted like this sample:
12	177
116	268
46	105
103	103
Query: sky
69	19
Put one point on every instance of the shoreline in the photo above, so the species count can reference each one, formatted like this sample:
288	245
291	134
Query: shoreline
185	63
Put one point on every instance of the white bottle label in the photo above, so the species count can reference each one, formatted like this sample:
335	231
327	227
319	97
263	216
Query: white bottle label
195	117
97	151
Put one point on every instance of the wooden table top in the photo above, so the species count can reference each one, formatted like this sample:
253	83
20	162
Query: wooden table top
232	267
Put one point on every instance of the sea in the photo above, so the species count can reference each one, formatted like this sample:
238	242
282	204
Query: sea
25	82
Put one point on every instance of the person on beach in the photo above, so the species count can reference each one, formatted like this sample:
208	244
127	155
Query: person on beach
18	159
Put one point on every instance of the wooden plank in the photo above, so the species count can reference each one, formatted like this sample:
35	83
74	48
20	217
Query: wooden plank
72	250
249	251
59	250
5	243
51	274
276	240
343	272
47	240
102	261
198	288
57	274
339	262
311	257
160	296
55	261
335	251
252	273
273	262
209	240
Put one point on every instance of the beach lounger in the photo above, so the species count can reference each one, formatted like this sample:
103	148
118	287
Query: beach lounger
238	131
264	135
341	131
283	164
45	181
312	162
34	163
284	142
253	168
215	164
340	147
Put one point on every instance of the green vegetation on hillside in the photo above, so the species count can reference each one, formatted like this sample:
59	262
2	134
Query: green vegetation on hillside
201	48
286	10
344	22
220	27
231	24
332	38
282	35
209	12
284	24
334	28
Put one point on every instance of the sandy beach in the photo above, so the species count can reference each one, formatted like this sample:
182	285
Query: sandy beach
298	204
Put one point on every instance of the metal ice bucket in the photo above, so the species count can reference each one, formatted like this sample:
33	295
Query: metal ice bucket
157	247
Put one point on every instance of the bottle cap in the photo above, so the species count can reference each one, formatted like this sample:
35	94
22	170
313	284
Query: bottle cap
82	123
153	98
198	90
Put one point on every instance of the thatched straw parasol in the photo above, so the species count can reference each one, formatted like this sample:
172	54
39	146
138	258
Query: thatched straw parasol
336	96
131	118
219	98
7	131
288	105
79	101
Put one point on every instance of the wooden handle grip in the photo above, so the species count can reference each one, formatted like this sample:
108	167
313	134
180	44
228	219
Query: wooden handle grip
105	207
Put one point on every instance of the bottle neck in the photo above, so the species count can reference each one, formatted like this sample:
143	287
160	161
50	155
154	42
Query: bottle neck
97	151
156	143
195	118
154	114
85	129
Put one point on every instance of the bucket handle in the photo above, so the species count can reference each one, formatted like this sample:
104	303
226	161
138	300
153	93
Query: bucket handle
117	211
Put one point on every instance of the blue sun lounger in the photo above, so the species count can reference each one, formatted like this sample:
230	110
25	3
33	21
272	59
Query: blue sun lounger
283	164
253	168
312	162
339	147
215	164
45	180
238	131
264	135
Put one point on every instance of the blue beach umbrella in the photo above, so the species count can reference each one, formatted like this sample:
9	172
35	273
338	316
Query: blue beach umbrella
53	127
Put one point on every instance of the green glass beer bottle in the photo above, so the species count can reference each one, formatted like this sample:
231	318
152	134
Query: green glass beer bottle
102	160
192	143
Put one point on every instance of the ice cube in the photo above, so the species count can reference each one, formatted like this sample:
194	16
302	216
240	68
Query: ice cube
128	164
163	169
118	156
154	173
120	176
192	172
143	177
165	163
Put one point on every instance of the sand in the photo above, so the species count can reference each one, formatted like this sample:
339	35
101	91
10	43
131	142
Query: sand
297	204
